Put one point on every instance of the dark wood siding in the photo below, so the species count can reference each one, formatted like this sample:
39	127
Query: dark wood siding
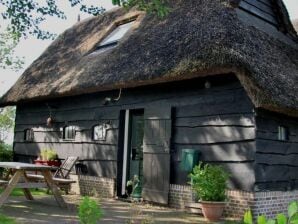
218	121
223	131
276	161
263	9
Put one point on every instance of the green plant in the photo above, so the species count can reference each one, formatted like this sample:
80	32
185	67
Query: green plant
6	155
48	154
89	211
209	182
6	220
280	218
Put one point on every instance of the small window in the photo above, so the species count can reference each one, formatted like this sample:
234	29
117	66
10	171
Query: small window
69	133
283	133
113	38
99	132
29	135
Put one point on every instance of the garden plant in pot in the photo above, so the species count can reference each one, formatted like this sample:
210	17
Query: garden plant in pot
48	157
210	182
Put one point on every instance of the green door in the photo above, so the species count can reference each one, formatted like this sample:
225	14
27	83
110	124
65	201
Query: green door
136	144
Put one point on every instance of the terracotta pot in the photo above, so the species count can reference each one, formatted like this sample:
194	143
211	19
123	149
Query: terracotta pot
212	210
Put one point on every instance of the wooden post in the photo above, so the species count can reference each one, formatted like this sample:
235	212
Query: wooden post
51	184
11	185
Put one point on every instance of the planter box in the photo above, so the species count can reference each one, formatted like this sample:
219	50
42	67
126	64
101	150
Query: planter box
56	163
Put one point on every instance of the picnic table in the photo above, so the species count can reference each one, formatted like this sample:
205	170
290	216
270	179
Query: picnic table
19	180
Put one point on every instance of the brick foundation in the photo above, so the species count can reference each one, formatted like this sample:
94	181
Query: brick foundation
97	186
267	203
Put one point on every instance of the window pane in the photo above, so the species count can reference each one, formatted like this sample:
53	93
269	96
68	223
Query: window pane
117	34
99	132
69	132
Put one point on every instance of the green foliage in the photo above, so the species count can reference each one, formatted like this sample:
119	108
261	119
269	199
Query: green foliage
89	211
209	182
48	154
158	7
25	19
247	217
6	220
6	155
8	42
18	192
7	116
280	218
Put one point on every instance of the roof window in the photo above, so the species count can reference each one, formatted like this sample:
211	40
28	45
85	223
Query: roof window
113	38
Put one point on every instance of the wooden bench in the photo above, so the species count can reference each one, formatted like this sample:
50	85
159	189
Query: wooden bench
3	183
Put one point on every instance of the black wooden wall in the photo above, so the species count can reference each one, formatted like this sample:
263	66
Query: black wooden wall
276	161
218	121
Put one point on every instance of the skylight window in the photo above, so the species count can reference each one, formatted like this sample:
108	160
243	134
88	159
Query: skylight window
113	38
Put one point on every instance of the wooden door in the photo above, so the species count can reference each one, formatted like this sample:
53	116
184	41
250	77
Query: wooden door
157	135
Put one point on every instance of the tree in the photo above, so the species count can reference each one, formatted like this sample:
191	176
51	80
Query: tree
25	17
7	116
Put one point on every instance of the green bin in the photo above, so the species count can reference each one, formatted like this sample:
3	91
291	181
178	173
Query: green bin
190	158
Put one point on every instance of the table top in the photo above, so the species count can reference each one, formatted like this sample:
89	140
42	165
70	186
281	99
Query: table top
24	166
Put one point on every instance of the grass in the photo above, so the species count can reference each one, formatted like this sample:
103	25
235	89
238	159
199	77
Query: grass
19	192
6	220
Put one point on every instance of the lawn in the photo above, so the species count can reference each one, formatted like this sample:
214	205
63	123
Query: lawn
19	192
6	220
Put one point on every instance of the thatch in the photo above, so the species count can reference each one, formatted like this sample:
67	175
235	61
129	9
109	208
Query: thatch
295	24
198	38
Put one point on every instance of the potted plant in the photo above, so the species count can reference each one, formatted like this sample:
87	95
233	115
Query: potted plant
134	188
48	157
210	182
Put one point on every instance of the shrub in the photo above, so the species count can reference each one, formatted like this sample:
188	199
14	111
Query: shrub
6	155
209	182
89	211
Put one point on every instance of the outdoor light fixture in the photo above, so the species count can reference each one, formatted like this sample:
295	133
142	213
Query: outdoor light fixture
108	100
207	85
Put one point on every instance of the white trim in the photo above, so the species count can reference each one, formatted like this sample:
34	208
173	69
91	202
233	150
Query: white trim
124	170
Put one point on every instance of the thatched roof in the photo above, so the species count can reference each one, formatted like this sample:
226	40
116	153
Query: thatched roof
295	24
198	38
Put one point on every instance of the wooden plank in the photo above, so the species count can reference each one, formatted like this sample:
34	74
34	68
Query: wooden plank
157	134
212	134
246	120
156	157
51	184
265	173
156	177
252	9
68	116
277	147
27	185
11	185
260	5
84	151
56	136
236	170
81	125
277	159
102	168
237	152
198	110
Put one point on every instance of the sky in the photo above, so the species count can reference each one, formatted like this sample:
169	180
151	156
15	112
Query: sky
31	48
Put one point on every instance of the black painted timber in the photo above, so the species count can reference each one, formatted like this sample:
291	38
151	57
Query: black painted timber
218	121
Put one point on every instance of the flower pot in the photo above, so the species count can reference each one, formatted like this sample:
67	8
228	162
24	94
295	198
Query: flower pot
213	210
